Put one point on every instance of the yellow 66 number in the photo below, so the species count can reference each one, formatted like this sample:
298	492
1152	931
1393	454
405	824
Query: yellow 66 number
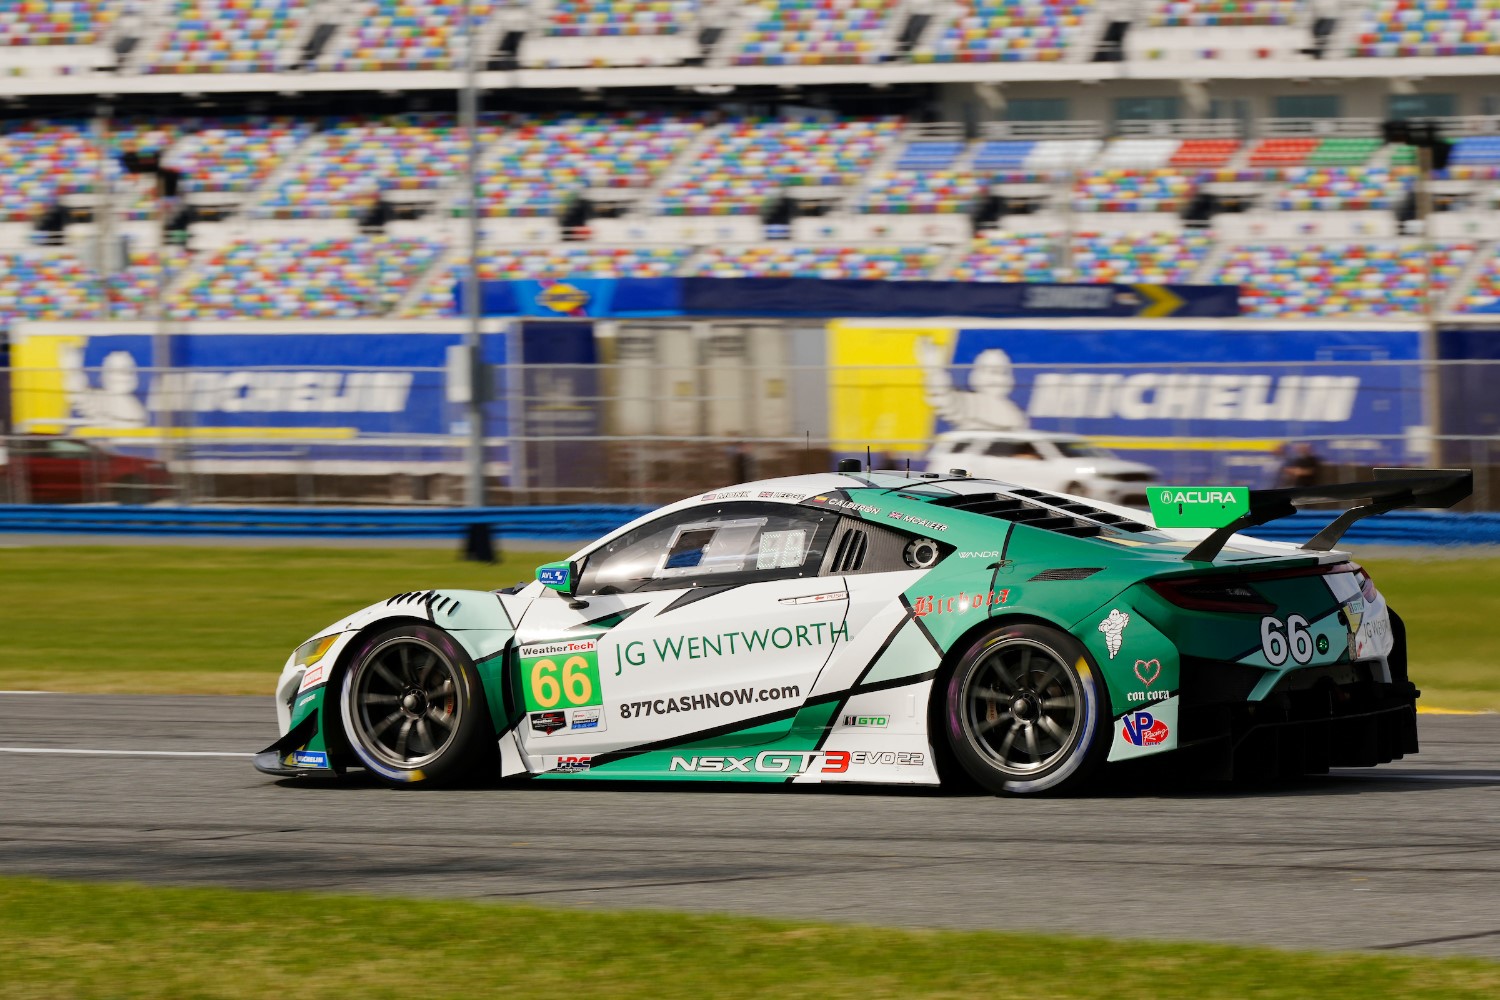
575	683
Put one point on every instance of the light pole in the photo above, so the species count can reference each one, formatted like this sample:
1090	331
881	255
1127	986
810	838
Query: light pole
166	182
478	546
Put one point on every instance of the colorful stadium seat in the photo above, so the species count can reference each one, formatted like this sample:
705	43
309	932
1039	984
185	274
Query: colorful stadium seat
1007	31
1003	154
354	161
537	168
42	162
815	32
406	35
235	156
923	191
230	36
783	260
283	279
1139	154
1155	258
1002	256
1378	278
1475	157
576	18
750	162
1204	153
55	22
1344	188
1162	190
1428	28
1484	296
1221	13
1283	151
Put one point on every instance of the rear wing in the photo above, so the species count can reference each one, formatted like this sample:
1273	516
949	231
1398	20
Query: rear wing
1389	490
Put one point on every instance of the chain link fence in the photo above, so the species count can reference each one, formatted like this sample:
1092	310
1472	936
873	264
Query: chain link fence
637	430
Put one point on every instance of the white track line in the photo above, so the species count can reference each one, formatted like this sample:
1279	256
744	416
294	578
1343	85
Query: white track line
124	753
1400	776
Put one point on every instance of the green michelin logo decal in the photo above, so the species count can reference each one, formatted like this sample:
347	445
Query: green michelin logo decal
1198	506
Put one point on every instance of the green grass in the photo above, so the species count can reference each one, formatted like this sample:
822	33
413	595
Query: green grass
1451	607
188	620
64	940
168	619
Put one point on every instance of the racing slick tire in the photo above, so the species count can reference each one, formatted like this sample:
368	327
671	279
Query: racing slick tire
413	708
1026	711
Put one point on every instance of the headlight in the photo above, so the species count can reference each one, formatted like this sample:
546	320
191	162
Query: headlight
313	650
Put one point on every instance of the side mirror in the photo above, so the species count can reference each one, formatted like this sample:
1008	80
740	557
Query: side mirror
559	576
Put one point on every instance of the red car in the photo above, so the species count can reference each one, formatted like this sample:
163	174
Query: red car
67	470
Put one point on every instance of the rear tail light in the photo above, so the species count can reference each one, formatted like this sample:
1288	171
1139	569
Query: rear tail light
1213	593
1366	585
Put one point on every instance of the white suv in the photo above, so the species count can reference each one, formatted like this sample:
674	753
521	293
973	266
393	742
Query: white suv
1061	463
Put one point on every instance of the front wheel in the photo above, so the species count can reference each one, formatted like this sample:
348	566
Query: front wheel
413	708
1026	711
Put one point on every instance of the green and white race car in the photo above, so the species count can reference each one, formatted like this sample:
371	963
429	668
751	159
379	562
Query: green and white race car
880	627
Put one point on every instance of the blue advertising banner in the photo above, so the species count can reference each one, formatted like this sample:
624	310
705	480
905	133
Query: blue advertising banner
1467	398
1183	397
354	396
560	406
816	297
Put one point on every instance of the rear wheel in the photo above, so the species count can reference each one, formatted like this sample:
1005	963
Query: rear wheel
413	708
1026	711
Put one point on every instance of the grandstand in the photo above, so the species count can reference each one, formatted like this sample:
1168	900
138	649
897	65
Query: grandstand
968	145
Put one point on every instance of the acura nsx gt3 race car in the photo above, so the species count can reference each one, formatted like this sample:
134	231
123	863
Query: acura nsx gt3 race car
878	627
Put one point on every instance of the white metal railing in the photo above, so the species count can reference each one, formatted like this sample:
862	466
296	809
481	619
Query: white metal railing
1042	130
1181	128
1317	127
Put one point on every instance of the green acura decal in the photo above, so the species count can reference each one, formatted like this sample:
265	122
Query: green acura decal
1198	506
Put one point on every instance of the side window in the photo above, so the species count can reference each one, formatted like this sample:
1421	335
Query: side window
68	449
712	545
1000	449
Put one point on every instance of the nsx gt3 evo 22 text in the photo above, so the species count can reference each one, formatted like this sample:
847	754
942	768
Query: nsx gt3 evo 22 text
881	628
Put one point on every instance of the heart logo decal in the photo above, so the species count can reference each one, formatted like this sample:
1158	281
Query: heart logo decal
1148	671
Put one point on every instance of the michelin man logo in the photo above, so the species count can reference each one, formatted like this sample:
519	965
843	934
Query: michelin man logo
114	403
986	404
1113	628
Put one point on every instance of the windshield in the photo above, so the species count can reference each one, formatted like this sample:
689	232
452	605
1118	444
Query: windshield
1082	449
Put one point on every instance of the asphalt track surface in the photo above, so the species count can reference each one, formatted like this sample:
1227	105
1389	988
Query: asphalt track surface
1405	857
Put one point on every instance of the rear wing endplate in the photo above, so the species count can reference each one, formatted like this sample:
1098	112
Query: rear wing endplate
1389	490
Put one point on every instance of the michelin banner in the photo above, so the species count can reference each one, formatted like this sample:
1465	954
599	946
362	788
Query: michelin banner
1195	399
384	396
